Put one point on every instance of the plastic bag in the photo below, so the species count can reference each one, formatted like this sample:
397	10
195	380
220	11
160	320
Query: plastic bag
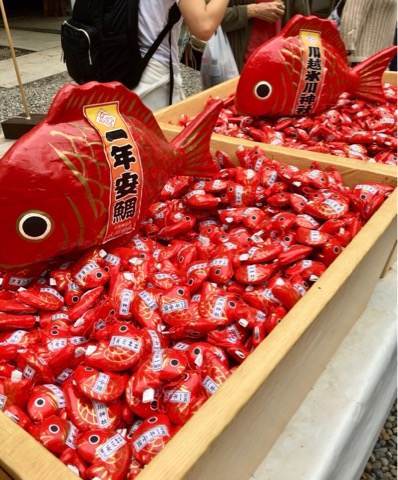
218	61
336	13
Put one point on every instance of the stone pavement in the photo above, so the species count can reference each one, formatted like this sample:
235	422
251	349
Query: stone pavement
41	37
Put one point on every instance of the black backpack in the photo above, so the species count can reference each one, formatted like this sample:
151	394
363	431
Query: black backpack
100	42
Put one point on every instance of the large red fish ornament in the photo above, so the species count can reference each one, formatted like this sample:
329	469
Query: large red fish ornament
304	70
88	172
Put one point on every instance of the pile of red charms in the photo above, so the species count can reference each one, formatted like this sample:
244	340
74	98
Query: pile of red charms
103	359
352	128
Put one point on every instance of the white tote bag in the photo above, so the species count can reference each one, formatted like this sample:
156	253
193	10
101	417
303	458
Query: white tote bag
218	61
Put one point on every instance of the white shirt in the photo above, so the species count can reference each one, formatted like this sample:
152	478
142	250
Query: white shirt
153	15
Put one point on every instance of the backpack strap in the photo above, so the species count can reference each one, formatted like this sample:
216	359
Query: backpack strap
173	18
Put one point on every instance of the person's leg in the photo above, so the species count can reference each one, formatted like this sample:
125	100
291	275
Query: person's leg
393	64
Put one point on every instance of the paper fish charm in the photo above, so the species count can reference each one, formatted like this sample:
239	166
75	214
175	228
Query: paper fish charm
88	172
303	71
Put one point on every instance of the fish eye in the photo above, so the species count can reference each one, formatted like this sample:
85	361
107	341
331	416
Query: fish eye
174	362
154	405
152	420
53	428
39	402
197	351
262	90
34	226
75	299
93	439
123	328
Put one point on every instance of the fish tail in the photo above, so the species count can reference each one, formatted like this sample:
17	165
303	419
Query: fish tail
194	142
370	74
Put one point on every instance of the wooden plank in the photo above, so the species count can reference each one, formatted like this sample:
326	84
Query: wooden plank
170	116
391	261
233	430
351	169
391	77
195	103
23	458
4	475
242	446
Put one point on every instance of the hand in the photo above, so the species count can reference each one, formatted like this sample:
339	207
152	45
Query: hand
268	12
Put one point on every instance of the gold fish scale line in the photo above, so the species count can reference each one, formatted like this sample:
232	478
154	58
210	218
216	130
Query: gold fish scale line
66	235
288	56
89	144
81	157
102	207
79	218
80	177
102	232
86	413
71	139
285	89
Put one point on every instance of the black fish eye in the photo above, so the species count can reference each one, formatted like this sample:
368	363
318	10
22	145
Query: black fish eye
93	439
34	225
40	402
54	428
262	90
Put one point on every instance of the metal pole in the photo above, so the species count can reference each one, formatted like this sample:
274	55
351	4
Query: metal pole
14	59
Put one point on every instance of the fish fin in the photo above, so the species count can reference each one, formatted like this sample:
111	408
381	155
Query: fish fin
68	104
327	29
370	74
194	142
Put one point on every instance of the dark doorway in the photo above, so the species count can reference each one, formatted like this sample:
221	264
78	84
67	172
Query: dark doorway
48	8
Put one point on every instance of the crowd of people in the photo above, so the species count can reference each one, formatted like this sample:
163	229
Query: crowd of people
366	27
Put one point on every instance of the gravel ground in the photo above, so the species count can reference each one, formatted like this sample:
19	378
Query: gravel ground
5	52
383	461
41	92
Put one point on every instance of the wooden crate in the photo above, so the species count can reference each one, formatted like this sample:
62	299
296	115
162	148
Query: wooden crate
232	432
170	116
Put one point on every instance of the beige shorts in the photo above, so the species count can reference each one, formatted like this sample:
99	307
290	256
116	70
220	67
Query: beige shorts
154	87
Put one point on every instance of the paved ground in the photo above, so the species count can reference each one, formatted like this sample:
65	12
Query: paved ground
383	461
6	54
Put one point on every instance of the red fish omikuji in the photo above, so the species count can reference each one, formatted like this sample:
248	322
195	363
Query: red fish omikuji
304	70
87	174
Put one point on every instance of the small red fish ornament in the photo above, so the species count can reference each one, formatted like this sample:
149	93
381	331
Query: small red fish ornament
87	174
304	70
